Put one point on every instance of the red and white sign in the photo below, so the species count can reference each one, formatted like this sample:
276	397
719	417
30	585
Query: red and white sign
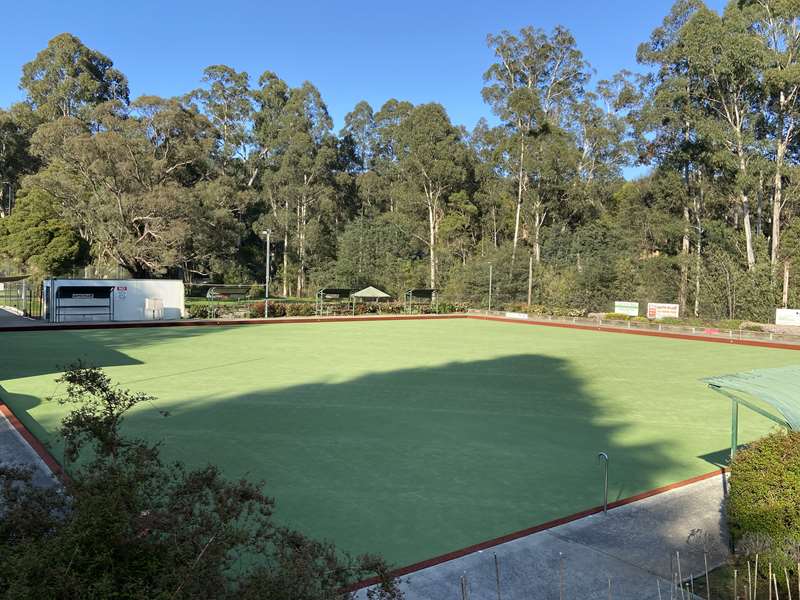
656	310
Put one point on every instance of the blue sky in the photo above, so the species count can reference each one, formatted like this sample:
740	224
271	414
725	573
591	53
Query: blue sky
412	50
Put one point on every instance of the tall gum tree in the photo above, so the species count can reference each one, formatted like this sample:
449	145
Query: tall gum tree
724	63
433	167
534	78
776	23
67	77
667	125
298	158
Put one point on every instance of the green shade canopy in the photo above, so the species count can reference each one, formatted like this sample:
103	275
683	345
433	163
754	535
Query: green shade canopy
779	387
12	278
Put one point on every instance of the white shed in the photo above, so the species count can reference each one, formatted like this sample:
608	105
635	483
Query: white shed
75	300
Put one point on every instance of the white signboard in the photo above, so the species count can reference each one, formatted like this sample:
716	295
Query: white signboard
626	308
516	315
787	316
656	310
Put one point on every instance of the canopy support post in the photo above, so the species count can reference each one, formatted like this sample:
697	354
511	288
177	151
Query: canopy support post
734	427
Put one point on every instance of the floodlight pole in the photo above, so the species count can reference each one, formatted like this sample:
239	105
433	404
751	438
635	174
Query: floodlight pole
266	276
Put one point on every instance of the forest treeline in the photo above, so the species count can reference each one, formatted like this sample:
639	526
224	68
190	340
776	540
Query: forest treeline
402	197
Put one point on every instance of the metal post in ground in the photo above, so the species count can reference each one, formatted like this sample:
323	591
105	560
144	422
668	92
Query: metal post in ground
497	575
464	587
603	457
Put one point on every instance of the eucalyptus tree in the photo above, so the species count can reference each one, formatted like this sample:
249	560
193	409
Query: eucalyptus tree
298	156
125	185
724	67
67	77
667	123
535	78
15	157
433	174
776	24
494	194
360	127
226	100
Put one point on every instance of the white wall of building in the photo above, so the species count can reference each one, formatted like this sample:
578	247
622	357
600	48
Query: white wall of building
130	299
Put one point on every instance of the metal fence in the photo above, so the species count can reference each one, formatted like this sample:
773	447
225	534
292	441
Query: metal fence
654	326
22	298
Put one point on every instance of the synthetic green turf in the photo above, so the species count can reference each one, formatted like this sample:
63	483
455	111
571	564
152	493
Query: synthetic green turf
410	438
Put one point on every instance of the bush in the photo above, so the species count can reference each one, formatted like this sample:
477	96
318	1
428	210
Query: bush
763	504
276	309
617	317
198	311
300	309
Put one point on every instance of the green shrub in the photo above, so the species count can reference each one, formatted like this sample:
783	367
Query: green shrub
276	309
299	309
763	506
198	311
671	321
617	317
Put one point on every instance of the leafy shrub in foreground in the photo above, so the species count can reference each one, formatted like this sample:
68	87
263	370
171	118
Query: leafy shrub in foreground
763	507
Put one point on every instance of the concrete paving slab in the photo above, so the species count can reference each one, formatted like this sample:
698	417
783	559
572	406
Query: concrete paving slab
10	319
634	545
15	451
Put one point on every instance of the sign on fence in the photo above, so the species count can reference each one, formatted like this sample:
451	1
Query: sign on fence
787	316
516	315
657	310
626	308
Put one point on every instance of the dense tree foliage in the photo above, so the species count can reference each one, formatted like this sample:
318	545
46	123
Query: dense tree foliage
402	197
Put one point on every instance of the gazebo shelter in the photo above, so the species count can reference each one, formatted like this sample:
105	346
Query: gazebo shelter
328	295
419	296
371	293
778	388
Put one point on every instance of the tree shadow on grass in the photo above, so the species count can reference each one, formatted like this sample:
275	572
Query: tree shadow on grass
34	353
417	462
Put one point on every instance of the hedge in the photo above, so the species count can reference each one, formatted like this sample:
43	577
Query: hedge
763	507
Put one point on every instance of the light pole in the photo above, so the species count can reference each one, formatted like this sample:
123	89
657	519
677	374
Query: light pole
490	287
266	277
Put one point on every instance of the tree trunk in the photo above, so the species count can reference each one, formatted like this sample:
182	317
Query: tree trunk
777	205
432	240
537	226
530	280
285	262
745	201
698	246
520	188
786	284
684	281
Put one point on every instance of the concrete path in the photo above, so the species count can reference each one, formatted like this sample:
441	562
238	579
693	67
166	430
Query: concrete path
11	319
14	450
634	545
